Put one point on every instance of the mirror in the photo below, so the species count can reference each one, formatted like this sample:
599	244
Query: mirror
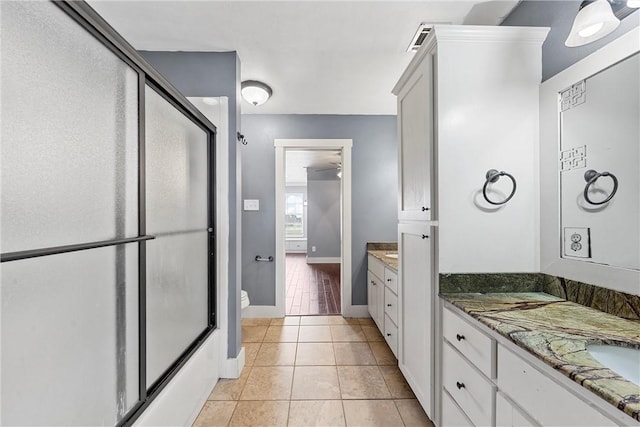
600	167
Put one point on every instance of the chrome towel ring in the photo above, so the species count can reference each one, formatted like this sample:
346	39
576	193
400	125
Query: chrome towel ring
493	175
591	177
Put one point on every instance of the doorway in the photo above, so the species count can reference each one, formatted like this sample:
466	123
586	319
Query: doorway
313	227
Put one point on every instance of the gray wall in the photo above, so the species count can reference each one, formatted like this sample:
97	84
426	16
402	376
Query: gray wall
214	74
559	15
374	190
323	213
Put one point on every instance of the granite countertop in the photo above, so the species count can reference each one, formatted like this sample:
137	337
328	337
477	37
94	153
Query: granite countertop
380	254
557	332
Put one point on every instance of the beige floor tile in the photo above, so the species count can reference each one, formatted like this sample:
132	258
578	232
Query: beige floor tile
315	353
273	354
253	333
281	334
382	353
264	413
286	321
352	320
371	413
362	382
316	413
250	352
396	383
215	414
314	334
372	333
412	413
353	353
322	320
315	382
268	383
230	389
366	321
256	321
351	333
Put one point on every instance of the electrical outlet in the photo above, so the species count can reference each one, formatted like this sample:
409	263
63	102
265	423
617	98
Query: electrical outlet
577	242
313	248
251	205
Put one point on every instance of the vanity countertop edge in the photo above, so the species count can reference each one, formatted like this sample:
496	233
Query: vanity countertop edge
557	332
388	262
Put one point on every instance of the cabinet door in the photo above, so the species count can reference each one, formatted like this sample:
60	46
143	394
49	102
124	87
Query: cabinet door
372	296
415	316
415	127
509	415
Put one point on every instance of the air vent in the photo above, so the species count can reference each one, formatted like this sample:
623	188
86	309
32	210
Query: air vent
421	34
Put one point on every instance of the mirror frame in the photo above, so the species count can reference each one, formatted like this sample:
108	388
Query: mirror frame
551	262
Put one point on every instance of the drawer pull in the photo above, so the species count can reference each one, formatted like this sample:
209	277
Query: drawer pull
459	337
388	280
424	209
388	305
388	334
459	385
373	283
424	236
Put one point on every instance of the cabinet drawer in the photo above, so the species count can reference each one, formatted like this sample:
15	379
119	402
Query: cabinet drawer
391	335
471	391
376	267
391	280
471	342
391	305
544	399
452	415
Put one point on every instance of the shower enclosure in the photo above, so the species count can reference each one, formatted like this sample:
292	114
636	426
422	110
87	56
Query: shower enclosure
107	221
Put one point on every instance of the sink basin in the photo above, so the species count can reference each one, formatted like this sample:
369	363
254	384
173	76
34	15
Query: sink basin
623	361
394	256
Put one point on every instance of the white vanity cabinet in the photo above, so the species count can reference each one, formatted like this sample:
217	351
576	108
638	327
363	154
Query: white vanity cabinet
382	300
485	383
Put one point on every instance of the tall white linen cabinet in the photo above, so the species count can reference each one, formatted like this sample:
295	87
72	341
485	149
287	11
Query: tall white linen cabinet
467	103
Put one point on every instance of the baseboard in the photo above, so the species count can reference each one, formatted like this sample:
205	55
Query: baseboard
324	260
232	367
261	311
356	311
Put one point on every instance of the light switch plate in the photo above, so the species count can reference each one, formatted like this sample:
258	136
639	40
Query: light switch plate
251	205
577	242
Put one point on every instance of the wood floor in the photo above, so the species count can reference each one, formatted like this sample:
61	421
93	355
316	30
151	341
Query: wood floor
311	288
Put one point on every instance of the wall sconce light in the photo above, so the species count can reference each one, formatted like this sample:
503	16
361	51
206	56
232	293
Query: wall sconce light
255	92
597	18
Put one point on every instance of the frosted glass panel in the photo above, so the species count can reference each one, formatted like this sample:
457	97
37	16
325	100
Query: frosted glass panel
69	132
176	151
65	349
176	297
177	260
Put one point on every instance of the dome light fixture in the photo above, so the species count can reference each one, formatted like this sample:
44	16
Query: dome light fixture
255	92
595	19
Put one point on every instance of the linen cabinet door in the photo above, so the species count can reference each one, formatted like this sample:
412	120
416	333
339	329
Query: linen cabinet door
415	126
415	315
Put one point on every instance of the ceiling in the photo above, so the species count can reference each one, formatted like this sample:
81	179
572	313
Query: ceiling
319	57
297	162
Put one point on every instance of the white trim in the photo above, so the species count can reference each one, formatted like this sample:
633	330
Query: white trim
261	311
359	311
323	260
346	276
620	279
232	367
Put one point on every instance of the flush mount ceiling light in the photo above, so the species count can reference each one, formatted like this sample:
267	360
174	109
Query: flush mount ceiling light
255	92
595	19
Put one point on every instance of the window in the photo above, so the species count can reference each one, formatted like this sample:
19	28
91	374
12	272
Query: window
294	213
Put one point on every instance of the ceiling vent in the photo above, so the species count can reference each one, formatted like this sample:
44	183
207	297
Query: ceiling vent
421	34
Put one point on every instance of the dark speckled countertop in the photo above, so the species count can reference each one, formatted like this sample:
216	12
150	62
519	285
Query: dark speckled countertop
557	332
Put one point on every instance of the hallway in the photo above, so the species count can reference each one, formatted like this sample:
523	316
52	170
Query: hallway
311	288
314	371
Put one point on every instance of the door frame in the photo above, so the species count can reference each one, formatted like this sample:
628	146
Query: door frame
281	145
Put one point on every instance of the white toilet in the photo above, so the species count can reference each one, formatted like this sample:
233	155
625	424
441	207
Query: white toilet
244	299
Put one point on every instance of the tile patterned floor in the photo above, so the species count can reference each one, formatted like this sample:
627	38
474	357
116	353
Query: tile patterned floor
314	371
311	288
